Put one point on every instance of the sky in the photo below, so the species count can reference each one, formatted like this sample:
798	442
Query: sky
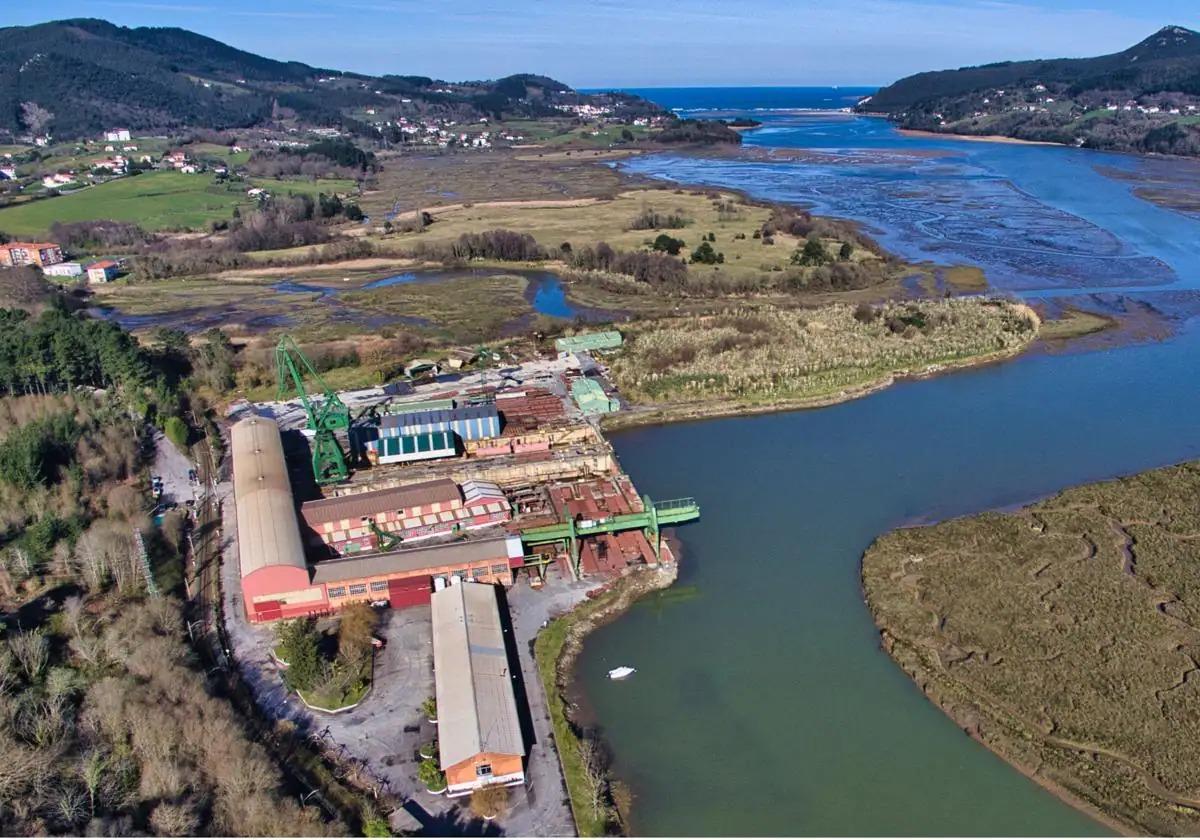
641	43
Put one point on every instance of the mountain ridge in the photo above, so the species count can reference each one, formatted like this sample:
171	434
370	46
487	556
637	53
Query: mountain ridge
86	75
1123	101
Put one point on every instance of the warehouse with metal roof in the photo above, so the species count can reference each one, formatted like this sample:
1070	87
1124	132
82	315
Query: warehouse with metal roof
479	731
275	581
589	342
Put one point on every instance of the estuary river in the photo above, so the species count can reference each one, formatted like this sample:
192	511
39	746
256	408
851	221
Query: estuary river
762	702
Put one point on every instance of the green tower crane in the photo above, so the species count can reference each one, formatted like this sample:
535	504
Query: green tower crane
325	416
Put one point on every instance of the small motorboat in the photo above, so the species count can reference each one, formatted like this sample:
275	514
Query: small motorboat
621	673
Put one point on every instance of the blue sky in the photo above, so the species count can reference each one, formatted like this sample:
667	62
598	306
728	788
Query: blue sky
589	43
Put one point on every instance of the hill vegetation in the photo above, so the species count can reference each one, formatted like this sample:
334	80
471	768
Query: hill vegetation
1143	99
78	77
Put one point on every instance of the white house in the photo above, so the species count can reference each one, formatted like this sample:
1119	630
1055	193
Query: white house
117	135
63	269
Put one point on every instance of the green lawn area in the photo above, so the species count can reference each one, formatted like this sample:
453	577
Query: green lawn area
156	201
329	186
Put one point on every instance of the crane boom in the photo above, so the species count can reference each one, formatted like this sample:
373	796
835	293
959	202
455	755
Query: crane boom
326	416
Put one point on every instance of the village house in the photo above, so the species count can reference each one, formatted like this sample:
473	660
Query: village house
30	253
103	271
117	135
58	179
63	269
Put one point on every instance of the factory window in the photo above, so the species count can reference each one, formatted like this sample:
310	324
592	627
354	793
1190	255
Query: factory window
462	573
483	770
358	589
337	591
499	570
379	586
480	572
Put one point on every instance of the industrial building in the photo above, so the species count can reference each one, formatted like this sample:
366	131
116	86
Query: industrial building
479	732
405	448
589	342
276	581
591	399
469	422
371	521
406	578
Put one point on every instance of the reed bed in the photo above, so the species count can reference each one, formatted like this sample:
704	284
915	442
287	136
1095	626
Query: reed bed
784	354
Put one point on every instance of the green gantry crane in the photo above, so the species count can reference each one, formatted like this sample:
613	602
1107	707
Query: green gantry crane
650	520
326	416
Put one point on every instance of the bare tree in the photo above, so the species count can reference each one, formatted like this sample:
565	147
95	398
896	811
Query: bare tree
32	651
595	774
35	117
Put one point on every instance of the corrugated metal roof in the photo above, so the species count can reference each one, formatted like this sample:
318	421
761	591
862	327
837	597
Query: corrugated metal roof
457	554
477	711
589	341
443	415
358	505
268	533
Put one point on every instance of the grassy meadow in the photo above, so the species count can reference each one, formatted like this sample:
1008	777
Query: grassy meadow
588	221
154	200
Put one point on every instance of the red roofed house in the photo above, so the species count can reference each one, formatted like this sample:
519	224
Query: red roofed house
30	253
102	271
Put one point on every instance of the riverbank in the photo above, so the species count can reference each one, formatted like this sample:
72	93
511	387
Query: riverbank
556	649
659	415
981	138
766	361
1062	637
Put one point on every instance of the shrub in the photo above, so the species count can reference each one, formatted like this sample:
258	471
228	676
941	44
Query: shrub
650	219
813	253
706	255
177	432
667	244
865	313
430	775
490	801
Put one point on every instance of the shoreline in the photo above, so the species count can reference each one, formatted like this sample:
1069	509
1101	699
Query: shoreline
669	413
969	724
556	652
979	138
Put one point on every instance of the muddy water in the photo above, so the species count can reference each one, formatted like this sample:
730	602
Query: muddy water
270	310
763	704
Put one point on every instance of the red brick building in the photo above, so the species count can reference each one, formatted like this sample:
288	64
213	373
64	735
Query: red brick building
347	524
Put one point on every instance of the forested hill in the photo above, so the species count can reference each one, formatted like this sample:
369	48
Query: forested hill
1145	98
79	77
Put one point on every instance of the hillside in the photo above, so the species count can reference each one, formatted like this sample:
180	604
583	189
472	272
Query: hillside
74	78
1143	99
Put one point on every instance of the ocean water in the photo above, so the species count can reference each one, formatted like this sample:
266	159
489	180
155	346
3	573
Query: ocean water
763	704
689	101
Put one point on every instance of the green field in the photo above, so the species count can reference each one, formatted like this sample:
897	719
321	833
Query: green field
156	201
329	186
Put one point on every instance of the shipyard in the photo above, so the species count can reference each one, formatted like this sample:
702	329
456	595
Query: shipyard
457	512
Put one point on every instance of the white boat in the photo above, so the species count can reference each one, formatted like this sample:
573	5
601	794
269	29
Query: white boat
621	673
